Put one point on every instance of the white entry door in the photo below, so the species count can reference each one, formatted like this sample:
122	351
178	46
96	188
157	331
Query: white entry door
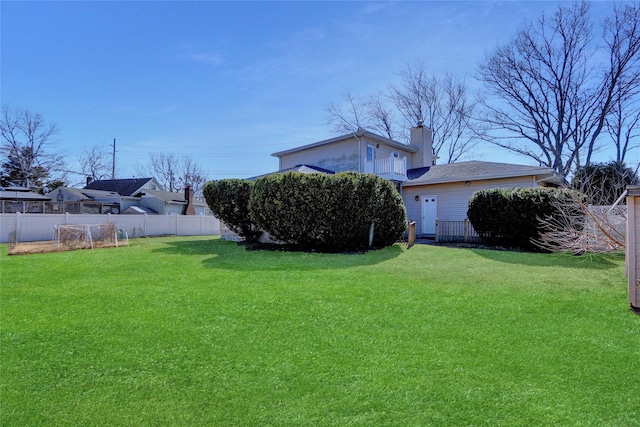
429	214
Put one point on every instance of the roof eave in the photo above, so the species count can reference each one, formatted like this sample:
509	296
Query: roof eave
536	173
345	137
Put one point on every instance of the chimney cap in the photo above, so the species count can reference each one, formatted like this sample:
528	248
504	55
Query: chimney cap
420	123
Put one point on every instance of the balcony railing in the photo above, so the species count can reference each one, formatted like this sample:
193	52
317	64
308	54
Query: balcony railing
391	168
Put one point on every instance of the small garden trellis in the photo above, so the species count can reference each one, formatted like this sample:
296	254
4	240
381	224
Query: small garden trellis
633	245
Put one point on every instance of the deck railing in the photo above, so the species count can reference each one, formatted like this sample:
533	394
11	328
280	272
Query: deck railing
456	231
392	167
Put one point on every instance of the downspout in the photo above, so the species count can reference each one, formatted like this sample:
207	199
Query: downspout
359	132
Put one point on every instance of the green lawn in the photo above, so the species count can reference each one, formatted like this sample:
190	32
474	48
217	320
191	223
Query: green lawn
200	332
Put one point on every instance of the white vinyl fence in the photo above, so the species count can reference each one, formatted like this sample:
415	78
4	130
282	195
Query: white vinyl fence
39	227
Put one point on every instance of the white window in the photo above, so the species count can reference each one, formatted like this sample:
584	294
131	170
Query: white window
371	152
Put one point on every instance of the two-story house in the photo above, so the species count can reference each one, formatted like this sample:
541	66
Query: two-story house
430	192
364	152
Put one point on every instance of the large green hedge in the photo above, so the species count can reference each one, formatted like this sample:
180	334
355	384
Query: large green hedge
510	217
228	199
328	212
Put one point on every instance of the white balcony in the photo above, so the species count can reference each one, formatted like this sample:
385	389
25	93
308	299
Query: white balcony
391	168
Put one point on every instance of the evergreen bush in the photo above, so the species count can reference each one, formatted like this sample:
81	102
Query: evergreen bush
331	213
228	199
510	217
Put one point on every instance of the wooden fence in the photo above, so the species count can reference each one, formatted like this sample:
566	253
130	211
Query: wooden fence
632	252
456	231
411	234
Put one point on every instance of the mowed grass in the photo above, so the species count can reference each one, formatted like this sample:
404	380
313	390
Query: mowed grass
198	331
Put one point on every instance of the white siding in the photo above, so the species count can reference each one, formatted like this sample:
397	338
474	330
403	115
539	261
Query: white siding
453	198
339	157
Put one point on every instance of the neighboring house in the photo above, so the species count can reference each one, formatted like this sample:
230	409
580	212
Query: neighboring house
169	203
21	194
80	200
124	187
21	199
429	191
130	196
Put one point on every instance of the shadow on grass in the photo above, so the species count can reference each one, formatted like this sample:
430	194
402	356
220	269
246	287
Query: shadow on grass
595	262
227	255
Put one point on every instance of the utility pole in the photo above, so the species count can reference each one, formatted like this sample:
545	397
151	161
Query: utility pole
113	161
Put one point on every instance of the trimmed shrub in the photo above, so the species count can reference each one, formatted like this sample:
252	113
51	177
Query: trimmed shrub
330	213
228	199
510	217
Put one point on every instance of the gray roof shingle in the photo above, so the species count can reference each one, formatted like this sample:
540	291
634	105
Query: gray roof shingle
477	170
124	187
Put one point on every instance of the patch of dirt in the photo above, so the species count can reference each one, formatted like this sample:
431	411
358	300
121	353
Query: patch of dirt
29	248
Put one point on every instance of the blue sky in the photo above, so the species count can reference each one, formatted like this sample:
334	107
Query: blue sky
229	83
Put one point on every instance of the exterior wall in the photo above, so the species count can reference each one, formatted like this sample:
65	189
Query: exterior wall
40	227
152	184
66	196
341	156
338	157
453	198
156	204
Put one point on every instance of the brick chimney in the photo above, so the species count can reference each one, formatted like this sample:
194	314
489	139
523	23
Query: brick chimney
422	139
188	196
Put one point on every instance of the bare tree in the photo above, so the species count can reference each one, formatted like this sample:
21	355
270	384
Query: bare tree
621	111
356	113
580	228
27	148
191	174
175	173
95	162
347	116
623	125
381	117
547	98
440	101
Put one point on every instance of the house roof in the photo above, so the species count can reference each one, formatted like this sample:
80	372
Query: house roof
124	187
298	168
360	134
23	196
138	210
169	196
477	170
84	193
633	190
16	188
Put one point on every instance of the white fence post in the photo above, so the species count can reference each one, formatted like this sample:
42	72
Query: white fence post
17	226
